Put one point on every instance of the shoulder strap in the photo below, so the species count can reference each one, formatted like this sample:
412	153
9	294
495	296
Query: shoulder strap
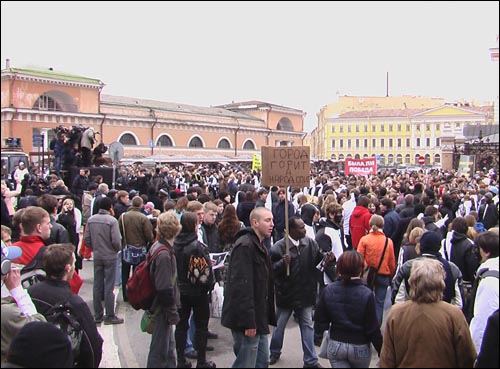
123	226
151	257
488	273
383	253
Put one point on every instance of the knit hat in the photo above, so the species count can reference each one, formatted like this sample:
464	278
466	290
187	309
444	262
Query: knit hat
40	345
430	242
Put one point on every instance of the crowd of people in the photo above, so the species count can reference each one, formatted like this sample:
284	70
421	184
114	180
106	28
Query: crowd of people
431	238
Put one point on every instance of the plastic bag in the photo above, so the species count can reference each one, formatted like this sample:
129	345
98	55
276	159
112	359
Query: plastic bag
147	322
217	301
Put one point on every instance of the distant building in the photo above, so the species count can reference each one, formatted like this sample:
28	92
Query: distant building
396	130
34	102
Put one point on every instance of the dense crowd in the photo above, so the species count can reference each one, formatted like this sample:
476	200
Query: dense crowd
427	235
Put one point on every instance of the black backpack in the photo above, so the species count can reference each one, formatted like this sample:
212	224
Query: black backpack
481	274
62	316
33	272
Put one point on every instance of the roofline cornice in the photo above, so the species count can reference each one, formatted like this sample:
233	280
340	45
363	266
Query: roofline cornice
51	81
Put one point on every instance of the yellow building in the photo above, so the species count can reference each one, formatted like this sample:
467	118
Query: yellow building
396	130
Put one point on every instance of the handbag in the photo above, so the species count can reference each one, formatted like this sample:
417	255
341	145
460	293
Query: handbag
147	322
132	254
370	273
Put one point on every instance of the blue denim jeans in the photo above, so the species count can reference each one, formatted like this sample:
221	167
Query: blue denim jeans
306	332
381	284
251	352
190	335
347	355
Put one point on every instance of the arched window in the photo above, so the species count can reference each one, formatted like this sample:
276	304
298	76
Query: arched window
390	159
128	139
45	102
356	156
349	156
224	144
164	140
382	159
365	156
195	142
407	159
416	158
285	124
399	159
341	157
249	145
437	159
333	157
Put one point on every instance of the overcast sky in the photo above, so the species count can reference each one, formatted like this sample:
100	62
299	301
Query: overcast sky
298	54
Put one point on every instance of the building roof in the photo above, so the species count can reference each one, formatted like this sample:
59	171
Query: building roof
381	113
49	73
256	104
174	107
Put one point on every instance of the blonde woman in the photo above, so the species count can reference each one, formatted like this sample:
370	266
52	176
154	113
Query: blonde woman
378	252
407	340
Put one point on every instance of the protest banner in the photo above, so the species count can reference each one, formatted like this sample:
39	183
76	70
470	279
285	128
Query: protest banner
286	166
361	167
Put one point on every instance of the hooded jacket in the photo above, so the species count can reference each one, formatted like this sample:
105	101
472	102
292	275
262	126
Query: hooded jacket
359	224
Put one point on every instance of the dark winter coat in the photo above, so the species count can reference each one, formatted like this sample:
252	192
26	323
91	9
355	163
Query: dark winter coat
249	288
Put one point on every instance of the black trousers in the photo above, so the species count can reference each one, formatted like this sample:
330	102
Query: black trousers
201	313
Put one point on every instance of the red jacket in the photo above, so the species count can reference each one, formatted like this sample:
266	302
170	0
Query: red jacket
30	246
359	224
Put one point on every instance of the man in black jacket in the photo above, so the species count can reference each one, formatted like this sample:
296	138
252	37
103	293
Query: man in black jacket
296	290
248	308
59	265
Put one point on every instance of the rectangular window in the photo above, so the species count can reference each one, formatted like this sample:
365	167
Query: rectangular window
373	128
427	127
437	127
357	127
382	142
438	142
428	142
417	126
390	127
399	143
399	127
374	142
333	144
365	143
366	128
408	128
418	142
390	142
333	128
349	143
349	128
382	128
341	128
357	143
407	143
341	144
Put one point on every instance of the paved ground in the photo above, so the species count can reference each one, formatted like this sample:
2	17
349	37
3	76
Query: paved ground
125	346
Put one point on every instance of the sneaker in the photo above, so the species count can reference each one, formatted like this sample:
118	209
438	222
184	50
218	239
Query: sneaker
212	335
206	364
193	354
317	365
98	320
273	359
184	364
113	320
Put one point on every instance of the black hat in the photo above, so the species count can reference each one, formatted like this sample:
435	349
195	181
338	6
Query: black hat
430	242
92	186
41	345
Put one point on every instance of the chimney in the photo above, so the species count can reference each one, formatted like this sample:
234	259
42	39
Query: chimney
7	63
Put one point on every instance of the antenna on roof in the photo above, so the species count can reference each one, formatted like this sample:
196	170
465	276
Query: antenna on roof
387	85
